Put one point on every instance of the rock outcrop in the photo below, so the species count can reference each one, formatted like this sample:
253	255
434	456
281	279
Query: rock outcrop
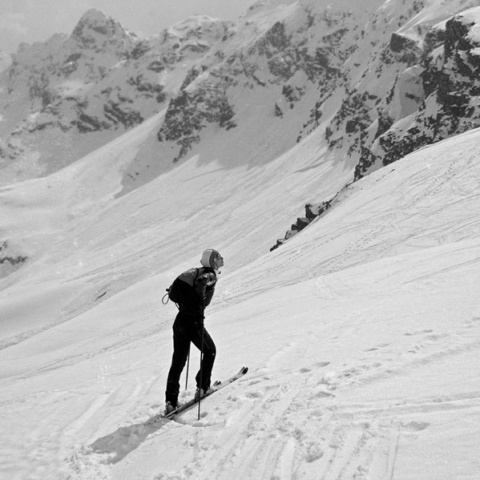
449	76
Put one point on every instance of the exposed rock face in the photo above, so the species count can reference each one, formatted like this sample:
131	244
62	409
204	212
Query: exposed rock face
190	112
450	68
288	59
10	260
311	213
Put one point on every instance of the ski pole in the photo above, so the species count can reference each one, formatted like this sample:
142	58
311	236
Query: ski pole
201	369
188	368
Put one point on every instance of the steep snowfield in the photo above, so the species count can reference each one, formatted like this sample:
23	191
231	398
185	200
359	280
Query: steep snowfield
362	333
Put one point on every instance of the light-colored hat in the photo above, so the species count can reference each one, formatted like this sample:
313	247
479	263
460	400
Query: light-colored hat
211	258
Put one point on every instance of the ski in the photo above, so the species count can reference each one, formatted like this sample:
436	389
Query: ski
216	387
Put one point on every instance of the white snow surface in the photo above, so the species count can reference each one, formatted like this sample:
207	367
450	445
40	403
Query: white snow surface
361	334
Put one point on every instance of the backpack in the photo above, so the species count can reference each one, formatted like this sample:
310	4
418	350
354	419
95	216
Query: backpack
173	290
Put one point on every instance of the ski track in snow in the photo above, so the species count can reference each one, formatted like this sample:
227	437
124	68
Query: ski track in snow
304	413
299	426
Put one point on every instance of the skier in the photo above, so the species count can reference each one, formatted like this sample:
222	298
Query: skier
192	291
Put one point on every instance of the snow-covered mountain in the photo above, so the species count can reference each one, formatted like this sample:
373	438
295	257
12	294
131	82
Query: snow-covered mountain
379	78
361	333
66	97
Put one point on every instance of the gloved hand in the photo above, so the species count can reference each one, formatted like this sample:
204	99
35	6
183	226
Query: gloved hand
205	285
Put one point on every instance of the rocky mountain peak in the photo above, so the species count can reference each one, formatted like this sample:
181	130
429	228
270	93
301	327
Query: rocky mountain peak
96	31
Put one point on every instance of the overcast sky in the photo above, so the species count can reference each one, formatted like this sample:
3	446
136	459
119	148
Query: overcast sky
36	20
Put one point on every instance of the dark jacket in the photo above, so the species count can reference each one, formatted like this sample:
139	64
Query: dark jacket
193	290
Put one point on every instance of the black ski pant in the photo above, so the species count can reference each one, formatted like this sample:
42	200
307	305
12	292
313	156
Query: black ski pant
186	330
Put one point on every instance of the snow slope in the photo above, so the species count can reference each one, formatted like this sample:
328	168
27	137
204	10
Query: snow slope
362	333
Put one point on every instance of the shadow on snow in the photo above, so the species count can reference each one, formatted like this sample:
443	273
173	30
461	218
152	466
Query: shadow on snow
126	439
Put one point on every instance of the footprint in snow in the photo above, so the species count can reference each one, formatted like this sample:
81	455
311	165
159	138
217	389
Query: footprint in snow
435	337
321	393
314	367
415	426
377	347
409	334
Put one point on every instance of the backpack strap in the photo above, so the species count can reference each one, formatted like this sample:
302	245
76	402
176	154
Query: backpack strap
166	296
190	276
196	276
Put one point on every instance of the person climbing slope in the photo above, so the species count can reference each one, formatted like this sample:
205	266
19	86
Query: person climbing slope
192	291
